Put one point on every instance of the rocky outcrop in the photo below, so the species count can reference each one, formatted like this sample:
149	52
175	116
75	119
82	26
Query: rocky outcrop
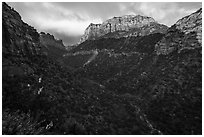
191	23
91	32
49	40
18	37
142	31
128	25
185	34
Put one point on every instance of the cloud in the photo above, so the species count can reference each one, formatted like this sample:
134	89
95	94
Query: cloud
66	26
68	20
166	13
48	17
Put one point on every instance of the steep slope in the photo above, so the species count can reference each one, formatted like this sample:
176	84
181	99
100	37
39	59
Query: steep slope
40	96
162	72
112	51
128	25
18	37
52	47
179	82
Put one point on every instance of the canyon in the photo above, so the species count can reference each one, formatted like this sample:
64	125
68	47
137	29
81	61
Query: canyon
129	75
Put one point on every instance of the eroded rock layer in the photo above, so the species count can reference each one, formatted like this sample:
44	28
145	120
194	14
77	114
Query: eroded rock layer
128	25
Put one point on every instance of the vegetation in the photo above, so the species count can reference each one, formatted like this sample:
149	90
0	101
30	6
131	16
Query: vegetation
126	89
167	87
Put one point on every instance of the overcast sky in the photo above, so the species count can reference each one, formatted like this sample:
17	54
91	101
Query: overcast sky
67	21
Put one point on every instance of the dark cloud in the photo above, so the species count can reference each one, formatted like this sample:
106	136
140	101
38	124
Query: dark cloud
68	20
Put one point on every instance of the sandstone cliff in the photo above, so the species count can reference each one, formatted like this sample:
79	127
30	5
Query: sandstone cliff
128	25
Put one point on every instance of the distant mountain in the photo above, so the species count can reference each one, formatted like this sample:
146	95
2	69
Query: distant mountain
128	25
49	40
52	47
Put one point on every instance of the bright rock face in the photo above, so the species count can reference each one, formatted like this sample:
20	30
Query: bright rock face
192	23
123	25
91	32
185	34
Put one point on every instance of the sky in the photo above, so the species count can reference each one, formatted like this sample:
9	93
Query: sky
68	20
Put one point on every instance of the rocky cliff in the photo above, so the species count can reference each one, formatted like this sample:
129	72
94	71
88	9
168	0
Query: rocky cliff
128	25
18	37
185	34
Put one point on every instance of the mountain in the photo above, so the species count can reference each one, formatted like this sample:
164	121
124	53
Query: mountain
145	84
185	34
128	25
162	72
41	96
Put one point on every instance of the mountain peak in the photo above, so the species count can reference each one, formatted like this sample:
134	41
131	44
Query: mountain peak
191	23
123	23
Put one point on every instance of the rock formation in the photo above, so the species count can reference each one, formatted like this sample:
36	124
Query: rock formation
185	34
128	25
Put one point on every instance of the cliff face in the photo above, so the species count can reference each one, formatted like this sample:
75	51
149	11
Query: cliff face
18	37
91	32
185	34
128	25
